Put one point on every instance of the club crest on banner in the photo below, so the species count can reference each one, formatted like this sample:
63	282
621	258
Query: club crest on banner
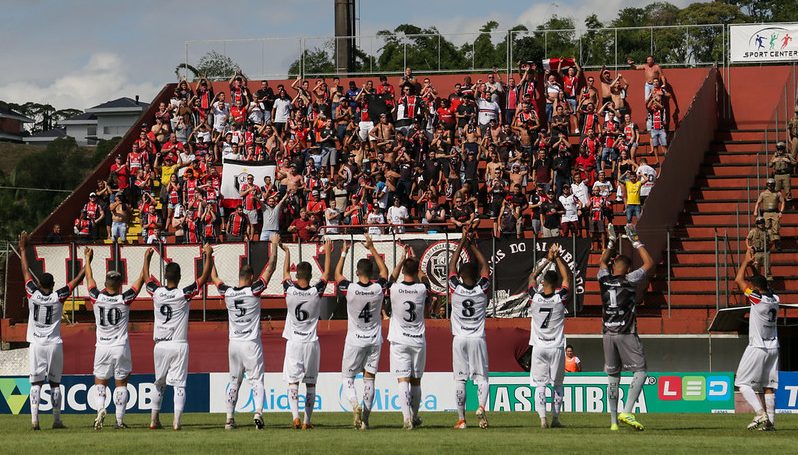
434	262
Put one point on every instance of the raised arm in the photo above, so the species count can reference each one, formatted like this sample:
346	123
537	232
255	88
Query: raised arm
648	261
339	267
145	270
397	270
215	277
286	263
327	273
740	278
23	256
457	251
484	269
268	269
377	258
88	254
552	253
564	272
207	267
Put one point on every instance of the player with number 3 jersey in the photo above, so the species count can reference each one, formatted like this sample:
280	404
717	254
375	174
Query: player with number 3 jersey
468	287
364	300
547	338
170	334
303	302
112	351
406	333
245	350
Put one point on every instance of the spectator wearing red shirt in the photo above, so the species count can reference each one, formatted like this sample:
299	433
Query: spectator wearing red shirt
250	193
122	173
316	206
304	227
237	226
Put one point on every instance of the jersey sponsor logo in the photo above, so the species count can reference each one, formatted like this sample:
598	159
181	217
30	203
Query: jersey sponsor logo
435	263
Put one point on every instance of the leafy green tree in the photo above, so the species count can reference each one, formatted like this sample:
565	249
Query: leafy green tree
212	65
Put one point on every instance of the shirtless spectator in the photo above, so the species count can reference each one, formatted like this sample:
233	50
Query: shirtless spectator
120	215
652	71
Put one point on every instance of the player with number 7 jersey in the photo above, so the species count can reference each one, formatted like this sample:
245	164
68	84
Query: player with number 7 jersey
468	286
170	334
406	333
363	343
245	349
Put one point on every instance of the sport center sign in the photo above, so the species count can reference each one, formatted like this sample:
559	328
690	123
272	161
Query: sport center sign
509	392
763	43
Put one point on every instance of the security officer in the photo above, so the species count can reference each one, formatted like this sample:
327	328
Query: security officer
757	240
771	204
792	127
783	165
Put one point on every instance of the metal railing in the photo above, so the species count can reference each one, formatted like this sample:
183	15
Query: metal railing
430	53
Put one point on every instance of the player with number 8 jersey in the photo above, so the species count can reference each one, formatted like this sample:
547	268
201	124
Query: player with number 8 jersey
469	286
301	363
406	333
364	300
170	334
112	351
245	350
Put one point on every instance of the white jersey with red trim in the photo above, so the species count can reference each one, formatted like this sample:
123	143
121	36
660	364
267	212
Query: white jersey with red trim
363	308
408	301
548	318
111	315
171	311
469	306
44	313
304	307
243	310
762	331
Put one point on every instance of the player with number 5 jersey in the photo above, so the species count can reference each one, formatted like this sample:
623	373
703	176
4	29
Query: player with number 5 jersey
170	333
363	343
244	350
406	333
547	338
112	351
46	353
301	363
468	286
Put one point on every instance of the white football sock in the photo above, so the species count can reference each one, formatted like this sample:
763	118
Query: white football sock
35	396
121	396
157	399
351	392
257	394
483	389
55	393
540	401
460	398
557	407
404	400
770	407
613	387
634	390
180	403
100	399
415	399
310	401
368	397
232	396
293	400
751	398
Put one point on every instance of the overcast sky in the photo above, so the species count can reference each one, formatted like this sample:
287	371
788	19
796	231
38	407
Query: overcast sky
80	53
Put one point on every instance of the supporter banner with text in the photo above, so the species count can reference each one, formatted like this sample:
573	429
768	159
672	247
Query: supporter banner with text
763	43
234	174
79	395
587	392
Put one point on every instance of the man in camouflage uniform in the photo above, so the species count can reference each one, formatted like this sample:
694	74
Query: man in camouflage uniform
757	240
792	127
783	164
771	204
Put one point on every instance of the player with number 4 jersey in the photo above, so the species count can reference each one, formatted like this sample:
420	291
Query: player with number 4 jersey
245	351
469	286
112	352
46	353
364	300
170	334
406	333
303	302
547	336
757	375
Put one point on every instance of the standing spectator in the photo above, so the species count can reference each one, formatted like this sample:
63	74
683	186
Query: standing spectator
631	135
332	218
572	362
271	215
569	223
633	187
250	193
536	200
398	216
582	192
783	165
281	109
304	227
54	236
652	71
83	227
598	206
375	217
237	226
120	214
648	176
551	212
488	111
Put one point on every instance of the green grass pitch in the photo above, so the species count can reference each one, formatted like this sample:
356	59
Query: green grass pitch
509	433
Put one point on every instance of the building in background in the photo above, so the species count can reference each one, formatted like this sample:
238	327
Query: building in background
12	124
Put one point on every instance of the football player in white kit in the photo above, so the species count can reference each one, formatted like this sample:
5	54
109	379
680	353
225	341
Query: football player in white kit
112	350
468	287
406	333
303	302
46	353
757	375
245	348
364	300
547	336
170	333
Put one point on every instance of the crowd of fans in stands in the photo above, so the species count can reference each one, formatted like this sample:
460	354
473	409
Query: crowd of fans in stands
546	152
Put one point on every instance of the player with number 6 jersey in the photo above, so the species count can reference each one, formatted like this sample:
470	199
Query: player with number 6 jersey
363	343
170	334
245	350
757	375
112	351
469	286
547	336
406	333
301	363
46	353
